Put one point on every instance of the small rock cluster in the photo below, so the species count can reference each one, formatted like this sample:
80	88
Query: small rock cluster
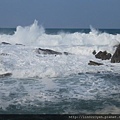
104	55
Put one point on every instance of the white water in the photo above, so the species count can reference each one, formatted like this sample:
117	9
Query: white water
23	62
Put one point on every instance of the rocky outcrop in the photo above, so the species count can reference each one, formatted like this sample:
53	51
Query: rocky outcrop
5	74
50	52
116	56
5	43
94	63
103	55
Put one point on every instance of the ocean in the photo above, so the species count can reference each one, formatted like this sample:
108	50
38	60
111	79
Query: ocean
58	84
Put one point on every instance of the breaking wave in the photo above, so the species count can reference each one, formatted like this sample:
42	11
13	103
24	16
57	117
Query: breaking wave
23	60
41	82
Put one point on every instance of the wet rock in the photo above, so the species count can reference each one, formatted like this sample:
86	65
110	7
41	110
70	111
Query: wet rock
103	55
5	43
50	52
19	44
66	53
98	55
108	56
4	54
5	74
94	63
116	56
94	52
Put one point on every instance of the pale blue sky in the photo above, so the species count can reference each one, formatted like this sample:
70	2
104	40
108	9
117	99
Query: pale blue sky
61	13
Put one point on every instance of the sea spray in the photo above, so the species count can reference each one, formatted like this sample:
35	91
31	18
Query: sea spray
35	35
58	83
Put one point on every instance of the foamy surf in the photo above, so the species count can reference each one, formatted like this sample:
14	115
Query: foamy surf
27	63
40	82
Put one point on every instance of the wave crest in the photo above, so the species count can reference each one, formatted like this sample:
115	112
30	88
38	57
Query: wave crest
35	35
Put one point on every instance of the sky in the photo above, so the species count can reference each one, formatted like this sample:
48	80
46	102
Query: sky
60	13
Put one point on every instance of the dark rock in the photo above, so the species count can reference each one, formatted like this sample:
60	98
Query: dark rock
50	52
98	55
5	43
4	54
108	56
103	55
5	74
66	53
19	44
94	52
116	56
94	63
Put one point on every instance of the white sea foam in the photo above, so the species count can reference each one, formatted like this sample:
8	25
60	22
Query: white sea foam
23	61
35	35
52	74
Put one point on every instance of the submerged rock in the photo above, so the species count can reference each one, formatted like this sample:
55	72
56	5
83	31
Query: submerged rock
103	55
50	52
94	63
4	54
19	44
5	43
66	53
116	56
5	74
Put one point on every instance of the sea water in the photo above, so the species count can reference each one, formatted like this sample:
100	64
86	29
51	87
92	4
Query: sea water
58	84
